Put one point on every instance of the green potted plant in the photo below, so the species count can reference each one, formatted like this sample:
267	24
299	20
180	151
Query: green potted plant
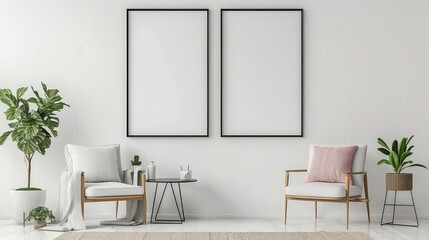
398	154
136	161
32	123
40	215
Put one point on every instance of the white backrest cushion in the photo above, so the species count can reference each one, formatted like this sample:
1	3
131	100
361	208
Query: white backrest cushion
100	163
358	161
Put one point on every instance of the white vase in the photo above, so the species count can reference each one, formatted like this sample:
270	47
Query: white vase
151	171
25	201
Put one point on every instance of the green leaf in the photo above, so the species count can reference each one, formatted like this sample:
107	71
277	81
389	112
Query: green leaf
395	146
45	89
384	161
393	158
10	113
405	155
36	93
25	104
409	139
33	100
58	106
407	162
13	125
21	92
382	143
384	151
410	148
4	136
402	146
416	165
55	133
50	93
8	99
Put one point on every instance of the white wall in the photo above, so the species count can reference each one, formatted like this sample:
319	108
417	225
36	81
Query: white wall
365	77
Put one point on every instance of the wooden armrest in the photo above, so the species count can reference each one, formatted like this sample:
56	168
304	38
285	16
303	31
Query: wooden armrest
292	171
296	170
143	180
355	173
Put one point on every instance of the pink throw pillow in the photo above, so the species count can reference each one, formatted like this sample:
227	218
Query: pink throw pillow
330	164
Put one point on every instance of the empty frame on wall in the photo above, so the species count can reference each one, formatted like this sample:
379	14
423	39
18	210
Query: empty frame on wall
261	73
167	72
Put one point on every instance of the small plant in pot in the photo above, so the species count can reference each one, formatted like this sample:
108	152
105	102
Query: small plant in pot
397	158
40	215
136	161
32	123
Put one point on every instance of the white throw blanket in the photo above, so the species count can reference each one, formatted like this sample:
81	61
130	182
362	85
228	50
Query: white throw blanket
134	213
69	212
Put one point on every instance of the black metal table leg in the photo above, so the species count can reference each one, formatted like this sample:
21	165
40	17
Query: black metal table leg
181	213
181	201
384	206
414	205
394	208
160	202
175	200
153	205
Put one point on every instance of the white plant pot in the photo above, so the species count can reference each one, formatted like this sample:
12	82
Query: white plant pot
25	201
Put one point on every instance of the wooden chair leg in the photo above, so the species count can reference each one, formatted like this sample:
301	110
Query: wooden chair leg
347	200
365	182
117	206
347	214
82	194
83	209
285	208
315	209
144	209
367	210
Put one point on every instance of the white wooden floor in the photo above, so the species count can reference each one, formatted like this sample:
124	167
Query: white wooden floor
10	230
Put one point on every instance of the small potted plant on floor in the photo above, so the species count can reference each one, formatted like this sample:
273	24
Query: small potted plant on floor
40	215
397	159
32	123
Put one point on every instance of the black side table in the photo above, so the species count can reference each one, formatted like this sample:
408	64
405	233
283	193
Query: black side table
169	181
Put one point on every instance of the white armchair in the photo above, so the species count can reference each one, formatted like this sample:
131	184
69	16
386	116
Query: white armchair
102	177
332	192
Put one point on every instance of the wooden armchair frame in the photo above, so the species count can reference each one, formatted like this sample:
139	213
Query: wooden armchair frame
115	198
347	199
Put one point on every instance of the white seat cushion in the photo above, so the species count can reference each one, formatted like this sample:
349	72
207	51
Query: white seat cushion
105	189
322	189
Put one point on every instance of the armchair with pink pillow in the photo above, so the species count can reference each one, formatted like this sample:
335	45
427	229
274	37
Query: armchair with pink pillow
334	174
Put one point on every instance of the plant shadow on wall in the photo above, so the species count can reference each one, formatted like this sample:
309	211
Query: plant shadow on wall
33	122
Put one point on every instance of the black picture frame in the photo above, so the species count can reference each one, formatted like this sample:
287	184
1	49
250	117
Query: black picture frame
128	11
222	34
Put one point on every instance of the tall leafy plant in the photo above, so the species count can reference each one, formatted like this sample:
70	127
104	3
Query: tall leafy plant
32	121
398	154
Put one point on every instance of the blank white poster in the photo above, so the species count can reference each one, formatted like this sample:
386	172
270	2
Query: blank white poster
261	72
167	72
